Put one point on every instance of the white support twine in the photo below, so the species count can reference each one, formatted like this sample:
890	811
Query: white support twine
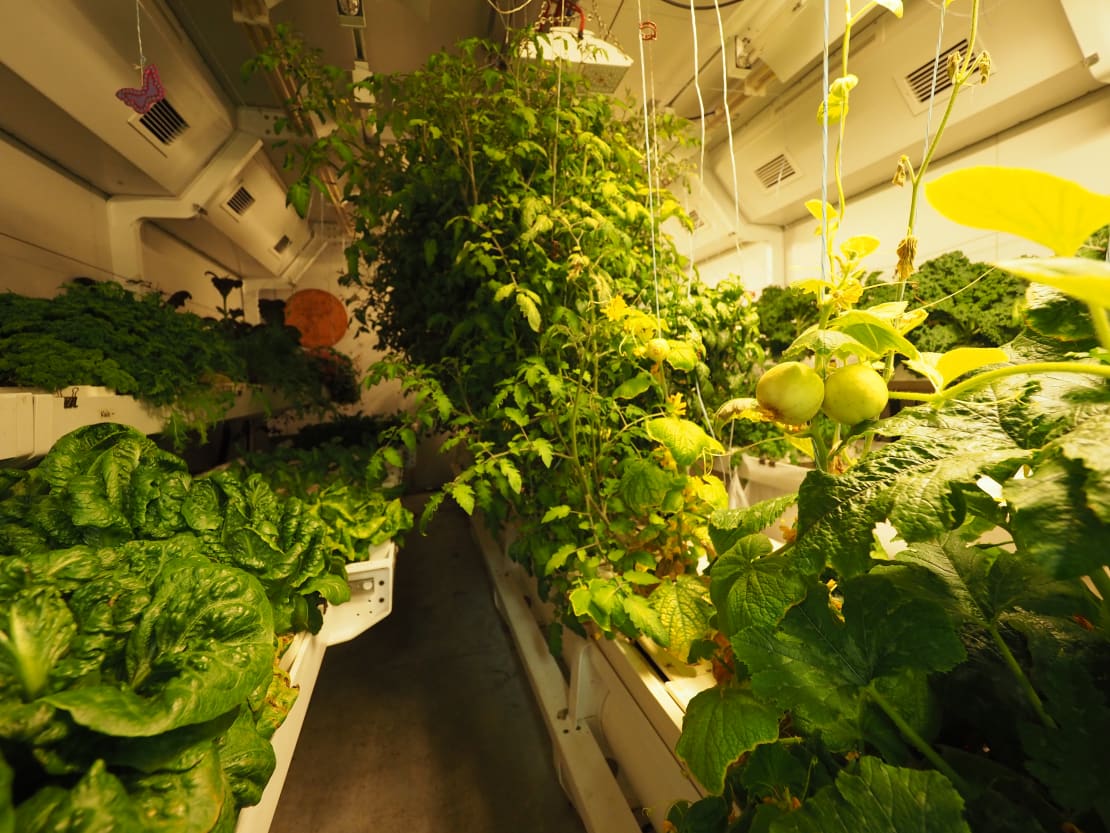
650	173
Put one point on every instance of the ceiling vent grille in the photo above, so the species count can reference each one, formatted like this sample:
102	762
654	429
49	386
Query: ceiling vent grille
920	81
282	244
240	201
774	171
163	122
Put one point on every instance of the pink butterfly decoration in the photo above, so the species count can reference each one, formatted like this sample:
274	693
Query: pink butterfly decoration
142	99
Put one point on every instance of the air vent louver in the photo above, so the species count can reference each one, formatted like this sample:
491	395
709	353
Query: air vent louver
282	244
240	201
774	171
920	80
164	122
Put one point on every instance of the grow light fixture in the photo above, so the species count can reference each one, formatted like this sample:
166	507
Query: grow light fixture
600	62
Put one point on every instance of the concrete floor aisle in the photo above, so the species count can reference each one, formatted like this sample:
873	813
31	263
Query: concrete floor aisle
426	722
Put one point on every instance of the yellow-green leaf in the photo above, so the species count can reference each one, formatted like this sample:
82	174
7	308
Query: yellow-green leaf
894	6
814	285
875	333
832	342
838	98
644	617
685	440
504	292
711	490
1087	280
682	355
926	365
530	310
860	246
955	363
555	513
895	313
746	407
1040	207
558	559
814	208
631	388
684	608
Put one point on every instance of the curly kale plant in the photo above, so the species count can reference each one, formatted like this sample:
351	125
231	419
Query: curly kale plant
969	304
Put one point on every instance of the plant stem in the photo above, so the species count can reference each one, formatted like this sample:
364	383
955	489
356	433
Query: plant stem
919	175
982	379
1023	680
1101	325
918	742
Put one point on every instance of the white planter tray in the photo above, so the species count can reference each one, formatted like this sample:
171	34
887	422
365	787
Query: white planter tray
371	583
371	601
35	419
611	716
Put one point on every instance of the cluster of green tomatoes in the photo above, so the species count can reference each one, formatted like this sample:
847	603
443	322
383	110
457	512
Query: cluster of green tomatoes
793	393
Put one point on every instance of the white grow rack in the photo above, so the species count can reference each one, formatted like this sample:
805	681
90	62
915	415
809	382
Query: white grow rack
371	583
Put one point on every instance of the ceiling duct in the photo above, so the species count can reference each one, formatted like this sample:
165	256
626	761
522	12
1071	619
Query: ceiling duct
890	106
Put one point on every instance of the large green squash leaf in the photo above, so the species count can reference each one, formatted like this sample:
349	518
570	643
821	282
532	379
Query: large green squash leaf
1060	511
820	668
880	799
983	583
720	725
914	482
1082	278
1071	759
202	646
1046	209
751	587
727	526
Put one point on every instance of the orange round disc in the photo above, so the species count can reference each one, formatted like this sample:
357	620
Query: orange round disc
320	317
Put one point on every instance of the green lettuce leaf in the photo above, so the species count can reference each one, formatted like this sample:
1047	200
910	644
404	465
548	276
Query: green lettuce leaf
247	759
98	803
7	808
36	633
204	643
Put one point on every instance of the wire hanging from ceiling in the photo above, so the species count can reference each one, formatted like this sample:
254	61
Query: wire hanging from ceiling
728	130
692	7
650	167
825	147
701	116
933	87
507	12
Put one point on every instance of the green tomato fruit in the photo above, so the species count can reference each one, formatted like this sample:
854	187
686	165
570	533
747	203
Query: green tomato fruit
657	349
854	393
791	391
